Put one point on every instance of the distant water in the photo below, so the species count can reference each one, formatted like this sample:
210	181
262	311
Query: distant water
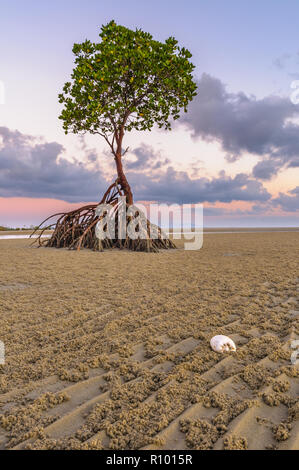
17	237
235	231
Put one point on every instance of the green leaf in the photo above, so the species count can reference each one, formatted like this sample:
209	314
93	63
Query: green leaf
126	81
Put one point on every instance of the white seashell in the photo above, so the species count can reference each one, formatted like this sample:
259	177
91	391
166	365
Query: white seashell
222	344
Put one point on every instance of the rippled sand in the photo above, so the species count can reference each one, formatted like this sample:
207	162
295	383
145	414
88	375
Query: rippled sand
111	350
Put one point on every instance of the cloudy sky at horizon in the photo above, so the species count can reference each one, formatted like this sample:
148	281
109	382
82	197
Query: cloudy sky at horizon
236	150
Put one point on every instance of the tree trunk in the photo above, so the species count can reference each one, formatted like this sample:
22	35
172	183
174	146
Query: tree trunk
123	180
77	229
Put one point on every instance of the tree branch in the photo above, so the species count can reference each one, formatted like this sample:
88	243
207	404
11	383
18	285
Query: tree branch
124	153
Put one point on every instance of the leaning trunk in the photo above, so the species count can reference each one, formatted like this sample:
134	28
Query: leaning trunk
77	229
123	182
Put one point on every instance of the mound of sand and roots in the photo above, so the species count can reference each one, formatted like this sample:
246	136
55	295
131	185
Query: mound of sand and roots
78	229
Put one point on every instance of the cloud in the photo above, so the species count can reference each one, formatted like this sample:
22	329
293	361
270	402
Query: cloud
171	186
294	163
29	168
288	202
244	123
265	169
146	158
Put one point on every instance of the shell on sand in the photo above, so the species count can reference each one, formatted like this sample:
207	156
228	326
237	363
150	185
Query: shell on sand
221	344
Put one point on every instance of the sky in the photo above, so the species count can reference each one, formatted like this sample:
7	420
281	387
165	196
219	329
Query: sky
236	151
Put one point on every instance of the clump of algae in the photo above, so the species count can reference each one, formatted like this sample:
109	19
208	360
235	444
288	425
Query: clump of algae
281	432
255	376
200	435
233	442
25	422
229	407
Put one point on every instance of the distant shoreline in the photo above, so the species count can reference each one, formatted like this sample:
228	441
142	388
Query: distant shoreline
206	229
25	234
243	229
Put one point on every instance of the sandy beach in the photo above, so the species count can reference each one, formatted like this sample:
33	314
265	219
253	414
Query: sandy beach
111	350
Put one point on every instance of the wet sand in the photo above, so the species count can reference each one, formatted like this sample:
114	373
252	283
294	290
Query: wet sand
111	350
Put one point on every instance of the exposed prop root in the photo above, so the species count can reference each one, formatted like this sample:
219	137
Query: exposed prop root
77	229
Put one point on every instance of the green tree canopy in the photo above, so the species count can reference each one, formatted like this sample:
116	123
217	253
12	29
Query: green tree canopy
126	81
